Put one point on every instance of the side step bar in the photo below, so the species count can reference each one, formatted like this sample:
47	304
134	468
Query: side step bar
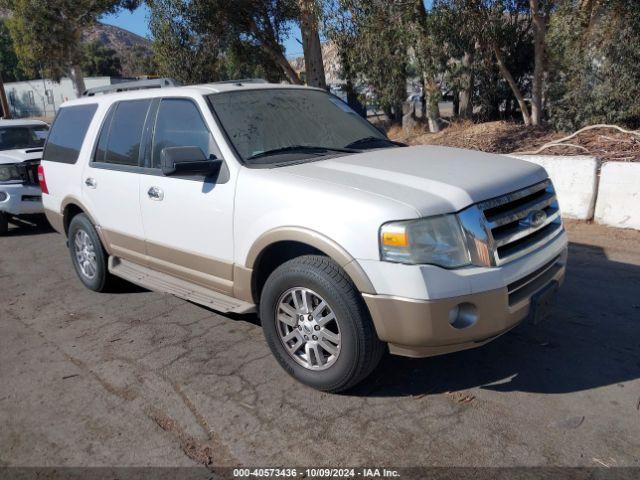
161	282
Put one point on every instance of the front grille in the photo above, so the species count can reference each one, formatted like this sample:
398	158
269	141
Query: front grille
508	227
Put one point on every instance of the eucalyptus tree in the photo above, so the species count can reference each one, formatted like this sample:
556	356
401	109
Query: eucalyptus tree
219	40
179	51
594	49
503	28
310	15
260	24
374	43
9	64
47	34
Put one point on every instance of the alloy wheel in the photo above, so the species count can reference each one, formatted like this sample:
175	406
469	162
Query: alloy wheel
85	254
308	328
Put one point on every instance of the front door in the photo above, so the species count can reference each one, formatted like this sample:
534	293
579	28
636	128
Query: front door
187	220
111	180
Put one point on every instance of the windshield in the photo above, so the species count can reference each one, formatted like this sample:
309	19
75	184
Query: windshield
27	136
282	125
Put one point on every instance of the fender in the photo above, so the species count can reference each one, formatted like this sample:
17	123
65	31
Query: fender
243	275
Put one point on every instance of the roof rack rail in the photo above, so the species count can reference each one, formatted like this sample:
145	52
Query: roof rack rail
243	80
134	85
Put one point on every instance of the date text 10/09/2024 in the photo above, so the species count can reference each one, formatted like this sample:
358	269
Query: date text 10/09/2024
316	472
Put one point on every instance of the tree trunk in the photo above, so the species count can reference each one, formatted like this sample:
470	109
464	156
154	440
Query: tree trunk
539	31
314	68
77	79
513	85
466	93
423	103
456	102
278	57
353	101
6	111
432	92
270	46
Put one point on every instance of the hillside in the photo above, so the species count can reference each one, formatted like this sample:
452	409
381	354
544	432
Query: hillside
124	42
128	46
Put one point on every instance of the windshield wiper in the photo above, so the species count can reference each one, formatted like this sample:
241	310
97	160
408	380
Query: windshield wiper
373	141
300	148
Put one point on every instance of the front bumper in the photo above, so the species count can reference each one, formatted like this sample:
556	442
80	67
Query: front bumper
422	328
19	199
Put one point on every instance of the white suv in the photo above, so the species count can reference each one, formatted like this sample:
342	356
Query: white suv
279	198
21	143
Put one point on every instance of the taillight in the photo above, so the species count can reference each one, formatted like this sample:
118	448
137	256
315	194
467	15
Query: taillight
42	180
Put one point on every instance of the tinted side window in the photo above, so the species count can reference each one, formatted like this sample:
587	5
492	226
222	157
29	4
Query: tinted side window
125	133
179	124
101	149
68	132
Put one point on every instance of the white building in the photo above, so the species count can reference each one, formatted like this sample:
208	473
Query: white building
41	98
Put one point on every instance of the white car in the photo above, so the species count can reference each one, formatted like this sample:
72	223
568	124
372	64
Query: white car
279	199
21	143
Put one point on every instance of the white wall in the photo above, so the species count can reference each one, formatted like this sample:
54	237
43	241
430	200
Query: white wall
619	195
575	179
28	98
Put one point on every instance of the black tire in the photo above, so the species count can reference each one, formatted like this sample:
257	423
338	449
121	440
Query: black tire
102	280
4	223
360	349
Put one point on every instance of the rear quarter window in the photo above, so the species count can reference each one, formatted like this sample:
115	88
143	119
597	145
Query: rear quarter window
68	132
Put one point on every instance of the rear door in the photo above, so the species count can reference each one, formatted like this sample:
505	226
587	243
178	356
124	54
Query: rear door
111	180
67	149
187	220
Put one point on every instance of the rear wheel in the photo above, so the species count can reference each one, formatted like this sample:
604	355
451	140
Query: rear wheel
4	223
87	254
317	325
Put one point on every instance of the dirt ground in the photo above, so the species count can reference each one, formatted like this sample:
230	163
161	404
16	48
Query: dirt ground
508	137
137	378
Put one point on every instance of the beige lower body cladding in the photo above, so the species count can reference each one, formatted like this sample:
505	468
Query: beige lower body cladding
619	195
423	328
575	179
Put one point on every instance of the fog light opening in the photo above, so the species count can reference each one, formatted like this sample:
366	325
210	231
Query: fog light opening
3	196
463	315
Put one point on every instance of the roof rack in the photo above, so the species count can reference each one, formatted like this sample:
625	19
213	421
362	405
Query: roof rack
128	86
242	80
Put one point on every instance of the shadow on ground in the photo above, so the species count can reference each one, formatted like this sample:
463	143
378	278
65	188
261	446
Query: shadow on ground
592	339
31	225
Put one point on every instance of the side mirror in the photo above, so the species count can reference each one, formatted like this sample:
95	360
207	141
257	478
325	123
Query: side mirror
187	161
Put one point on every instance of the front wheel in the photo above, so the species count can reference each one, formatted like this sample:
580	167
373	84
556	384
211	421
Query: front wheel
317	325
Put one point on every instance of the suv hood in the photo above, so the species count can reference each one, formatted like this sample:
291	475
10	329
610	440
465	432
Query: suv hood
20	155
433	180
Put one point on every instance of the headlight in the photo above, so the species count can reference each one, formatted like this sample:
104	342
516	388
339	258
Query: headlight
9	172
434	240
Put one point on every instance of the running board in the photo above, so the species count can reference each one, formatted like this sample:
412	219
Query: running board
161	282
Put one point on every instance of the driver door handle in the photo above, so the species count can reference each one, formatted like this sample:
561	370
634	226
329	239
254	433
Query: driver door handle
91	182
155	193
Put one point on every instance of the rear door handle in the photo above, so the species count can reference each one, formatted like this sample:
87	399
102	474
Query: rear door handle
155	193
91	182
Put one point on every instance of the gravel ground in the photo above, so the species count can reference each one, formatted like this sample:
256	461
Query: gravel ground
139	378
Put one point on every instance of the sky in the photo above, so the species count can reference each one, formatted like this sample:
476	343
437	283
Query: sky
138	22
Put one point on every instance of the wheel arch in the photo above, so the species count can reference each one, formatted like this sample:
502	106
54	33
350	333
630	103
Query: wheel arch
72	206
281	244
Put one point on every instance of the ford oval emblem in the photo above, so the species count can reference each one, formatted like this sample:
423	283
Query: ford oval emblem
536	218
